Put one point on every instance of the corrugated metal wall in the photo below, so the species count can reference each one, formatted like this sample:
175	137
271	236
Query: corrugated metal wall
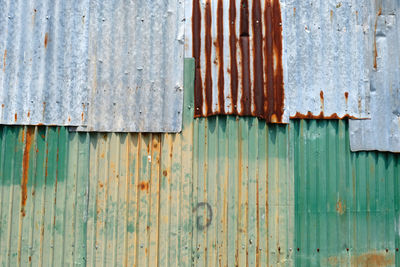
219	193
347	204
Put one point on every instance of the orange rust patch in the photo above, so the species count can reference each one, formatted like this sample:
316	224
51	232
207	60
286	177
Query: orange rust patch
69	119
340	207
321	97
4	60
15	117
25	168
346	96
371	259
144	186
165	173
29	114
321	116
2	105
82	115
101	185
46	39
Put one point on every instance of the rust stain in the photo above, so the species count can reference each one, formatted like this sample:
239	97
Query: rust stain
46	39
144	186
2	105
245	100
321	116
82	116
340	207
294	11
233	57
4	60
208	47
29	114
165	173
220	55
370	259
15	117
258	95
375	49
321	97
196	36
346	96
25	167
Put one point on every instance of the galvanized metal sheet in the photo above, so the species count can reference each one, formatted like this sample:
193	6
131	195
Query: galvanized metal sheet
218	193
135	77
347	204
43	77
326	71
105	66
382	132
242	54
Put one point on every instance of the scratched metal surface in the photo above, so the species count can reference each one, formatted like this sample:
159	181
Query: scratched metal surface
280	59
43	76
103	65
218	193
382	132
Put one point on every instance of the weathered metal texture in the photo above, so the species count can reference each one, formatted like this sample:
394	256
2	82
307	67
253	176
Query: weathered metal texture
382	132
347	205
238	50
326	67
280	59
217	194
135	77
106	66
43	74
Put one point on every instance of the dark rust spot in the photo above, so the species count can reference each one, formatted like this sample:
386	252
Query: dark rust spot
46	39
25	167
165	173
144	186
101	185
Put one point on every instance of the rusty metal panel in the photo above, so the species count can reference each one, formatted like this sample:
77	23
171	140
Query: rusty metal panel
218	193
382	132
238	50
43	76
280	59
135	76
347	205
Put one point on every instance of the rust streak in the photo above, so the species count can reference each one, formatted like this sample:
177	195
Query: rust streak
245	58
346	96
233	57
258	95
321	116
268	67
15	117
220	55
208	47
4	60
25	168
375	49
196	36
46	39
321	97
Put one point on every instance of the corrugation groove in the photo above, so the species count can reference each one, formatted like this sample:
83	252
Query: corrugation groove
216	194
254	47
347	204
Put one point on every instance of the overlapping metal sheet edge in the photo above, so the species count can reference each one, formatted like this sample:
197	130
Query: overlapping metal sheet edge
105	66
382	132
219	193
243	48
346	204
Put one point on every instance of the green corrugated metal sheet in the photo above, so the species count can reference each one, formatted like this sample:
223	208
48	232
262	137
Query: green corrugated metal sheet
218	194
347	204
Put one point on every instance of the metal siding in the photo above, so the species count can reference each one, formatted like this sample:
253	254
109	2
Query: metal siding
219	193
112	66
326	62
43	64
135	78
382	132
347	204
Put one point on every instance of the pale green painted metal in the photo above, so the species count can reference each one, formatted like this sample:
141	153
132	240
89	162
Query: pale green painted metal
220	193
347	204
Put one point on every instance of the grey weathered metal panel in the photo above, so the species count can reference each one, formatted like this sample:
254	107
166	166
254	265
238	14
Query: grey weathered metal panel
108	65
136	66
324	47
43	76
382	132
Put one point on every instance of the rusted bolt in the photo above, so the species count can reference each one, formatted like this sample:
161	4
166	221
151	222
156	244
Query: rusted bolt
317	249
298	249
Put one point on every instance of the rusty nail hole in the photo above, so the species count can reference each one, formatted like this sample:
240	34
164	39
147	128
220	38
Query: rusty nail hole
387	250
317	249
298	249
347	249
279	249
397	249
